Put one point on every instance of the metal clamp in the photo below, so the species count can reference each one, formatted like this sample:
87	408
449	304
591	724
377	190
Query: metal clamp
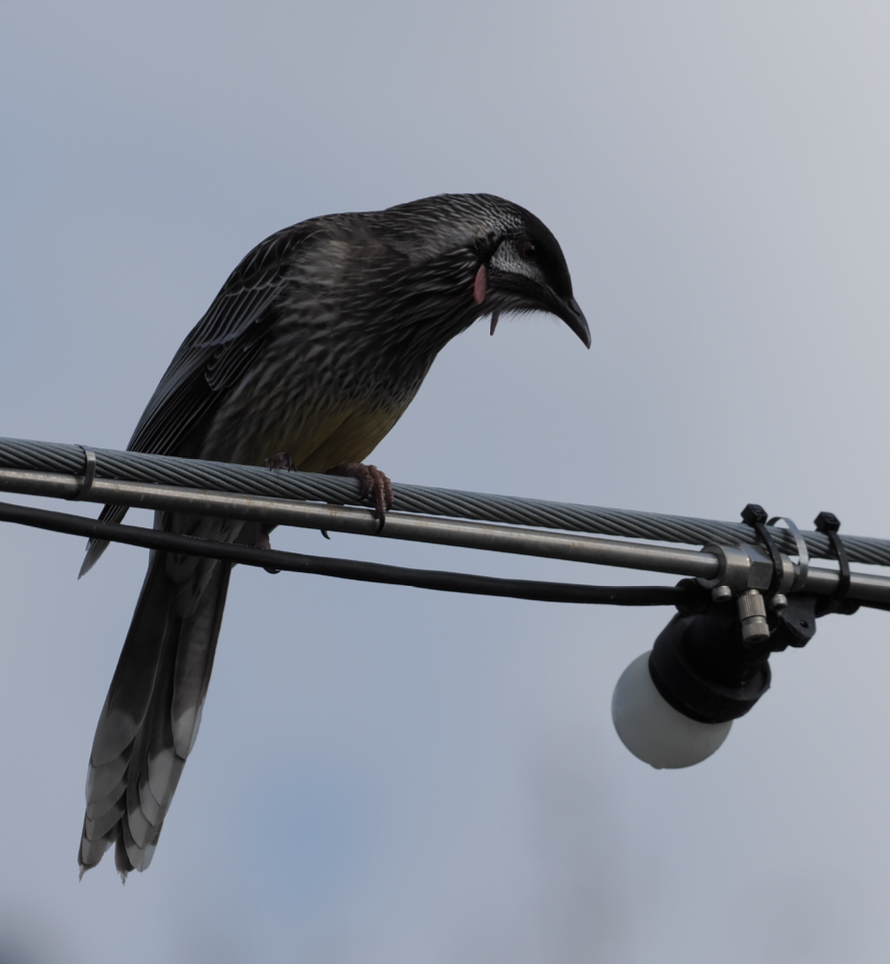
733	575
741	568
803	554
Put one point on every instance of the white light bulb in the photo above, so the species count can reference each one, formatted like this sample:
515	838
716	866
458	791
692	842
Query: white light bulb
653	730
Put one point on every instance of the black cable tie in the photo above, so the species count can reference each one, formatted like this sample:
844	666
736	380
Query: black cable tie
755	516
89	474
828	524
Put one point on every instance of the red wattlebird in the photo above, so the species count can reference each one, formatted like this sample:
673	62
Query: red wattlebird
315	346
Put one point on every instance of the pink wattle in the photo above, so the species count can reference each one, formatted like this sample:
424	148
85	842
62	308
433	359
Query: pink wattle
481	285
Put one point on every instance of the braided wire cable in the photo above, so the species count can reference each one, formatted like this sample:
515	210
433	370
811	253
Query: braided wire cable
307	486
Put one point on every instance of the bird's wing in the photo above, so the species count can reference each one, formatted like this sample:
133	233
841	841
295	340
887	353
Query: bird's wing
218	350
220	347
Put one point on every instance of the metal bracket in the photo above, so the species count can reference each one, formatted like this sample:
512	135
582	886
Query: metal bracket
746	567
803	554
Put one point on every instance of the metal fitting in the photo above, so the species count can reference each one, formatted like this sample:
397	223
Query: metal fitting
752	614
735	568
746	567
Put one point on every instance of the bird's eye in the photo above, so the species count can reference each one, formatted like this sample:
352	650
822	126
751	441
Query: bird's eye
527	251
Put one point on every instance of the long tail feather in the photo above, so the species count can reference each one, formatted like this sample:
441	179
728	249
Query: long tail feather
152	712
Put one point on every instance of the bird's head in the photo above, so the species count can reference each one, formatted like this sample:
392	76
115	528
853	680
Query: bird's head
522	268
484	255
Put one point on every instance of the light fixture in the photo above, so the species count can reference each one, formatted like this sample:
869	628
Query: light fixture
674	706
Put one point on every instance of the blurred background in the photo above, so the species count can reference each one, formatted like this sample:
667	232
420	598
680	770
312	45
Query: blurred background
391	775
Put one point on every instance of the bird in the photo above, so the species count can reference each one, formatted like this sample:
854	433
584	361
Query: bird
313	347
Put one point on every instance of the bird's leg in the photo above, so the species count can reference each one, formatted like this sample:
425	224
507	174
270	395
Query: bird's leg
373	482
282	461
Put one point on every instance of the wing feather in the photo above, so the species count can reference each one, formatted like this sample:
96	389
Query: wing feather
214	356
221	346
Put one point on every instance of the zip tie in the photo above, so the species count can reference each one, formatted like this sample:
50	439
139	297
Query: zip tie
89	474
828	524
755	516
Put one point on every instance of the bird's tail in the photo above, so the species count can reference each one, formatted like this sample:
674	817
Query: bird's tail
153	709
95	547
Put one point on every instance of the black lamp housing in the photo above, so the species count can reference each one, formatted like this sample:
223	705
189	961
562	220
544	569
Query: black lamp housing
704	669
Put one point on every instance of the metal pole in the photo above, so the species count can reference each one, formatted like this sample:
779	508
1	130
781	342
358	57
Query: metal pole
450	532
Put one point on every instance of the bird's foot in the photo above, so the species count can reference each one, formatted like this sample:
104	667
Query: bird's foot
373	482
280	461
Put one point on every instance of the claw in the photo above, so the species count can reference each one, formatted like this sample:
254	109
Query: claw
373	482
280	461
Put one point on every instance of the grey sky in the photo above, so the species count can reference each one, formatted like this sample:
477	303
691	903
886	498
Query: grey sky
395	776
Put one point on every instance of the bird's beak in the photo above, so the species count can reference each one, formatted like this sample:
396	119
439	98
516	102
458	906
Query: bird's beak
573	316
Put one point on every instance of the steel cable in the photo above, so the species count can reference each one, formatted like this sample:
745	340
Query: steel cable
306	486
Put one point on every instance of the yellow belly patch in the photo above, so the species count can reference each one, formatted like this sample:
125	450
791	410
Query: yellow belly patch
343	433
